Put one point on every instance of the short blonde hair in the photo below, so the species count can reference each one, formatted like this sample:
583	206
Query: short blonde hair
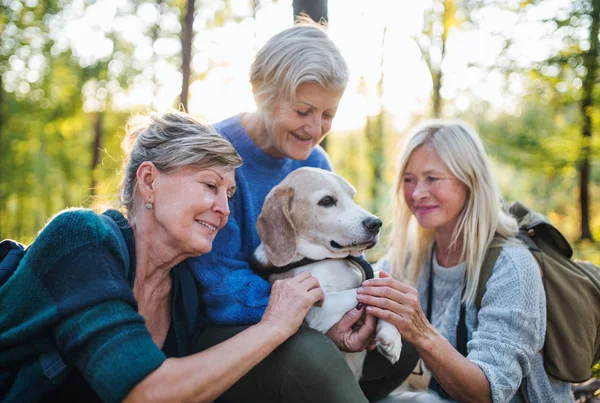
482	217
297	55
171	141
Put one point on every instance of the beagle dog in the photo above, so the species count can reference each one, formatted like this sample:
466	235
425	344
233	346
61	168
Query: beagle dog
309	222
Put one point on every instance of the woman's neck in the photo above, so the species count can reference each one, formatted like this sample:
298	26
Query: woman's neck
255	124
154	257
448	255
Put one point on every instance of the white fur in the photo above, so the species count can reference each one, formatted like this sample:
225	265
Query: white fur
338	277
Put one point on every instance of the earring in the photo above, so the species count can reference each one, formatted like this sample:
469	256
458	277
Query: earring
149	205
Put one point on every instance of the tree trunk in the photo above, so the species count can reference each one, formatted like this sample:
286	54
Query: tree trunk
375	136
187	36
437	75
315	9
590	61
96	146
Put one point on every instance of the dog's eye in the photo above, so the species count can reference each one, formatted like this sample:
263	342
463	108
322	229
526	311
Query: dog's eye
327	201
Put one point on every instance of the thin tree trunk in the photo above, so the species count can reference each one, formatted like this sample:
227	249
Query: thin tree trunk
187	36
375	135
96	146
317	10
590	61
438	74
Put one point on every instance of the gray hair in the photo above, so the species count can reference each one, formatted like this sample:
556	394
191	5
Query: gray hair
297	55
171	141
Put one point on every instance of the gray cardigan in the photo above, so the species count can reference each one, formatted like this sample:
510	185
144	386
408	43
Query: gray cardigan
505	337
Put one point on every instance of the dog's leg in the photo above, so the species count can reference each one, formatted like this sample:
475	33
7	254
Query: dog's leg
389	341
335	305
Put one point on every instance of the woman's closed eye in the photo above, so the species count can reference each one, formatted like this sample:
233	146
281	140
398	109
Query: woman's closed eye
303	113
211	186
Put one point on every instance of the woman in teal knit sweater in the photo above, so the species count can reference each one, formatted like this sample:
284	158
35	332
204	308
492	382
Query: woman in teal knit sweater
121	328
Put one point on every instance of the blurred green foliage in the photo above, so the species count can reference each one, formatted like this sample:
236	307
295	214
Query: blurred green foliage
57	111
51	99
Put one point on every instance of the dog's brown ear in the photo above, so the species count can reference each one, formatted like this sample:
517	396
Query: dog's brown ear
275	227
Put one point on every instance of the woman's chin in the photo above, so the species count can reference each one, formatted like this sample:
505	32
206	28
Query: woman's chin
202	248
299	155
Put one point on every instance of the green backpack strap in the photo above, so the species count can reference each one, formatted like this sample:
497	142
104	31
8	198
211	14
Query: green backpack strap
489	261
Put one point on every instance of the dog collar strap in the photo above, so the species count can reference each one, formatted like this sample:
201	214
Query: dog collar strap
290	266
364	265
360	262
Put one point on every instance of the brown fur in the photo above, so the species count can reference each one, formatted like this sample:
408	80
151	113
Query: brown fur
276	229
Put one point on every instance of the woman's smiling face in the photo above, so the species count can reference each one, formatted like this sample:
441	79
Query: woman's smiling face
191	206
434	195
295	128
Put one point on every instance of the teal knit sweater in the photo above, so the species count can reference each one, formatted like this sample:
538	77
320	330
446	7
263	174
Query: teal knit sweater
71	293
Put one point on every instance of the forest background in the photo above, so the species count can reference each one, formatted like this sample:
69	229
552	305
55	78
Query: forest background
524	74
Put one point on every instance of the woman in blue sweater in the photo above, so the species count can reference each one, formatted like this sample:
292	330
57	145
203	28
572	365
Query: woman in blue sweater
103	311
298	78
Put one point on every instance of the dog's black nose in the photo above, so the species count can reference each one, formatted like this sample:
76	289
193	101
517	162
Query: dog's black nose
372	224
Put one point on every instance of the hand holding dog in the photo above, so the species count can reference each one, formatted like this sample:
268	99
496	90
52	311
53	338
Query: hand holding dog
398	303
354	332
290	300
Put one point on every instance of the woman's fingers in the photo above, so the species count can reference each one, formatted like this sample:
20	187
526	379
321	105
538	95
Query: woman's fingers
387	282
316	294
354	332
309	282
290	301
380	302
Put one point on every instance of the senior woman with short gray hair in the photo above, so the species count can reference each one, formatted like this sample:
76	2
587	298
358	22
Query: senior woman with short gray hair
298	78
99	307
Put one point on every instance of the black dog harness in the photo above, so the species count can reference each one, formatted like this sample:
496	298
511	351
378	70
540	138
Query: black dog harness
361	263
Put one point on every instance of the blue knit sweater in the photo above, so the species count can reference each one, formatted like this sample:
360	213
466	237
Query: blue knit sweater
233	294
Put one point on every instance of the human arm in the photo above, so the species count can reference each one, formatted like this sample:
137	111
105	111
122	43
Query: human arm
206	375
509	328
398	303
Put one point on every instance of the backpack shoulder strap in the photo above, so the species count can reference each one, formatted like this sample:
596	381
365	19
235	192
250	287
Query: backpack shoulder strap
11	253
489	261
120	240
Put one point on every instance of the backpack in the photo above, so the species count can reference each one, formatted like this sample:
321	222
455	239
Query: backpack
572	344
52	365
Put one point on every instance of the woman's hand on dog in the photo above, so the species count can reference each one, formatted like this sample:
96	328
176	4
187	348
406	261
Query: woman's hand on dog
290	301
397	303
355	331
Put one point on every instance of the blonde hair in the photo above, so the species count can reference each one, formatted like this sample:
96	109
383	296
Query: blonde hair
482	217
297	55
171	141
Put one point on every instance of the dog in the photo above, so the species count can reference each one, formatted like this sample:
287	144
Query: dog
309	222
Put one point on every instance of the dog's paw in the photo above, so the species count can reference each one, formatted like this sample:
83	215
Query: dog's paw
389	342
